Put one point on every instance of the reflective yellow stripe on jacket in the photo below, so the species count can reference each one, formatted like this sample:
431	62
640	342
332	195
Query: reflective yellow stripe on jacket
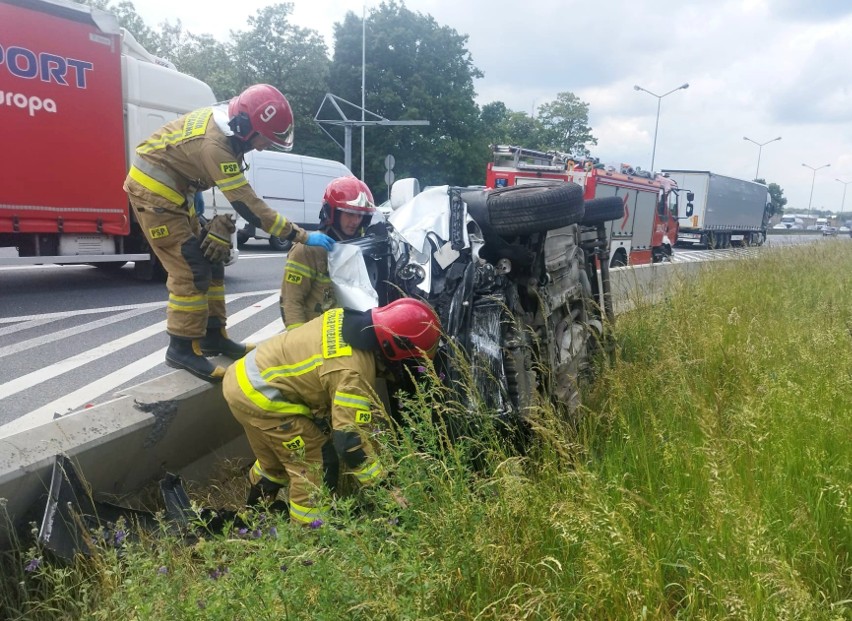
307	272
264	396
232	183
156	181
195	125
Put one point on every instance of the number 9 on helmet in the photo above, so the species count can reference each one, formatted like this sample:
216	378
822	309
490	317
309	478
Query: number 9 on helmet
262	109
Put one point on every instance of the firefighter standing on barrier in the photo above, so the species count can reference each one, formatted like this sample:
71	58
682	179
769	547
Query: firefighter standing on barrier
306	289
307	401
195	152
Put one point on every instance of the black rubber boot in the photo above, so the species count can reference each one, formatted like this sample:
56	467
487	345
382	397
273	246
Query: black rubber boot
185	353
216	343
262	492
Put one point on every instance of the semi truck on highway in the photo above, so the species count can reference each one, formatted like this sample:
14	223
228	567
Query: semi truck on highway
77	94
649	229
726	211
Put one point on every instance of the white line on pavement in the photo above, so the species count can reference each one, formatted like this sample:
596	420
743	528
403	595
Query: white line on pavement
89	392
61	334
109	309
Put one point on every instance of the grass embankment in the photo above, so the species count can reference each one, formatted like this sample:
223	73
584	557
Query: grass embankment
710	478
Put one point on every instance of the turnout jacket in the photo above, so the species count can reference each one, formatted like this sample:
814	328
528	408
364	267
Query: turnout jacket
306	289
195	153
305	371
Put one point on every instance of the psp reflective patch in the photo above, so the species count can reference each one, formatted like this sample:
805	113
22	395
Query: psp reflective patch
230	168
295	444
158	232
294	278
363	417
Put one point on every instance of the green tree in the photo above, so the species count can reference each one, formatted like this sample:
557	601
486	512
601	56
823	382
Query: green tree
566	124
416	69
295	60
776	194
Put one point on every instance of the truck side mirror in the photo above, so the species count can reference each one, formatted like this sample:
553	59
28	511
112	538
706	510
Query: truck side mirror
690	196
690	208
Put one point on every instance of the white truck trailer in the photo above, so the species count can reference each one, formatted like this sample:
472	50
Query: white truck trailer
726	211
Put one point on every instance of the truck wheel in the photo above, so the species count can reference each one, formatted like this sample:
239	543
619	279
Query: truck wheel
242	239
619	259
534	208
603	210
281	245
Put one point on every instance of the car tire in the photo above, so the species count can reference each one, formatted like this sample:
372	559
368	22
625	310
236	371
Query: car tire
604	209
281	245
534	207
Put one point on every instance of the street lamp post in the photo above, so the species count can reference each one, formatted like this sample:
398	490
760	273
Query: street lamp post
842	202
813	180
657	125
760	146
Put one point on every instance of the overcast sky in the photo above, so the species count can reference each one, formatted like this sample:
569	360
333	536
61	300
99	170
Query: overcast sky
755	68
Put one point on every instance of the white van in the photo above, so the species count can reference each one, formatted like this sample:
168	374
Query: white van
291	184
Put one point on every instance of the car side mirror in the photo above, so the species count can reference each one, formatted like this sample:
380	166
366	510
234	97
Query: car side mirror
690	208
403	191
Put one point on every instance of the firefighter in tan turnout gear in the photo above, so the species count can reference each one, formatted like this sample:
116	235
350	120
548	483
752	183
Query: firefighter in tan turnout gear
296	385
306	289
195	152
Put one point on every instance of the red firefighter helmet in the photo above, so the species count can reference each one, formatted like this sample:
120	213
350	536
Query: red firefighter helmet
407	328
262	109
347	194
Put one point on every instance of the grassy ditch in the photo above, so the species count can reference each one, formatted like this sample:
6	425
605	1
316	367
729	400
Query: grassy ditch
709	478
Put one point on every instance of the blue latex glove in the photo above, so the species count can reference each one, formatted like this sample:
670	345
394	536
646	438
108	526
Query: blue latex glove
320	239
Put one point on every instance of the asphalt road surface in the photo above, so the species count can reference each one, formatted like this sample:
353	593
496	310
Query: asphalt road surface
71	336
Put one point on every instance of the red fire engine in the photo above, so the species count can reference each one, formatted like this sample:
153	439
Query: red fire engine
648	231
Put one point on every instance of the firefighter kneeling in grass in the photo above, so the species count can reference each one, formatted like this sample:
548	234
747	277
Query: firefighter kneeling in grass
282	391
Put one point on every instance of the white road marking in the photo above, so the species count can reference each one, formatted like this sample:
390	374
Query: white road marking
61	334
111	309
24	325
80	397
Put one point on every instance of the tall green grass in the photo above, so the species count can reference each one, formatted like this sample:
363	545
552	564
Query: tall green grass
709	477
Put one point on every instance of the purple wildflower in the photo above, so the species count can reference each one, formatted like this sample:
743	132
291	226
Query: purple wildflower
163	570
421	369
33	565
119	537
217	573
317	523
256	533
441	376
273	533
242	531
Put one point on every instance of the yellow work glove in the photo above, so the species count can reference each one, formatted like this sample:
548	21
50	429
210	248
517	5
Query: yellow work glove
216	238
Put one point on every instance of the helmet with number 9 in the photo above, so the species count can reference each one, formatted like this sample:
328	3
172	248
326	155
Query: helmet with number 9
262	109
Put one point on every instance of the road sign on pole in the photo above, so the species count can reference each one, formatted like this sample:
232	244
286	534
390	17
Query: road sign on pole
389	162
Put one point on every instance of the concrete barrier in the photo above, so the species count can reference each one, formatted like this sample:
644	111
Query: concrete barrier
174	423
181	424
